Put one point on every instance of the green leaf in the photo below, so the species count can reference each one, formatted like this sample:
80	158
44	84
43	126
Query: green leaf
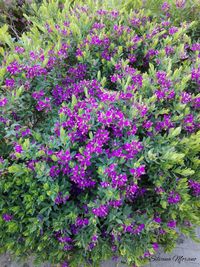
54	158
174	132
86	92
99	75
26	144
185	172
91	135
74	100
62	134
163	203
14	169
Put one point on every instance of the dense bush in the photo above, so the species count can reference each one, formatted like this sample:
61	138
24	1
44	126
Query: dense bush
178	11
100	136
12	14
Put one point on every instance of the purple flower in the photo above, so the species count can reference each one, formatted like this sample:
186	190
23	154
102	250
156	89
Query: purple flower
195	47
157	219
189	124
68	247
32	55
19	50
155	246
3	120
165	6
64	239
91	246
38	94
31	164
44	105
132	58
58	200
173	30
195	75
65	264
196	102
171	224
135	22
3	102
54	171
163	80
95	238
26	132
146	254
102	12
180	3
160	94
18	148
63	157
116	203
79	53
98	26
132	149
131	190
187	223
147	125
105	184
138	171
162	232
1	160
34	71
165	124
128	228
119	180
173	198
139	229
114	13
10	82
14	68
114	248
101	211
195	187
95	40
81	222
7	217
169	50
186	98
159	190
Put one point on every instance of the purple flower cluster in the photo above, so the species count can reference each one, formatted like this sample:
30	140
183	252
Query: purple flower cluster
165	6
60	199
7	217
137	172
173	198
171	224
3	102
101	211
195	187
14	68
81	222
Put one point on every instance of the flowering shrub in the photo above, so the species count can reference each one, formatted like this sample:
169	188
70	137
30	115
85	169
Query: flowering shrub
100	136
177	10
12	13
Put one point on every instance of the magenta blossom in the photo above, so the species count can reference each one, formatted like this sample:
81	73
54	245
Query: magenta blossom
171	224
7	217
3	102
173	198
101	211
